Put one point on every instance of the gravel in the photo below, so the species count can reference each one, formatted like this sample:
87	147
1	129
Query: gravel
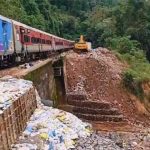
115	141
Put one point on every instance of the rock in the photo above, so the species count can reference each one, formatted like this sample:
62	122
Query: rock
134	143
120	144
47	102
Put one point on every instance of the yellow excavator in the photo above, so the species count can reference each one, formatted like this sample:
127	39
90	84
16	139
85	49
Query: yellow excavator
82	45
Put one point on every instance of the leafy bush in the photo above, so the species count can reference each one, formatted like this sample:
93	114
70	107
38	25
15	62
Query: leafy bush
138	73
123	44
133	85
139	68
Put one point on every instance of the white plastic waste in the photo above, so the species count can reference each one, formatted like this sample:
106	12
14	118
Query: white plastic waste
53	129
48	128
11	89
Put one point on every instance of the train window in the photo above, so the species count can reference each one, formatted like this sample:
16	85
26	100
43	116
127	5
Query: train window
59	43
34	40
48	42
26	38
43	41
38	40
29	39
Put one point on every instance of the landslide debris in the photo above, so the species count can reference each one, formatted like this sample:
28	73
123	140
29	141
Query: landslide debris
98	74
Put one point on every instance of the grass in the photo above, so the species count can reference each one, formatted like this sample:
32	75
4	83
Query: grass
137	73
138	68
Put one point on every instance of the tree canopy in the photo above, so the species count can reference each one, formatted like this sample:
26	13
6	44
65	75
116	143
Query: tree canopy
99	20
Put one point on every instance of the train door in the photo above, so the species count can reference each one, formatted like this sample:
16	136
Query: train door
22	33
40	43
5	36
54	44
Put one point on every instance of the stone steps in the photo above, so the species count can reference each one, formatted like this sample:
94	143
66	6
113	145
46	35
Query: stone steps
91	110
101	115
90	104
67	108
72	96
101	118
85	110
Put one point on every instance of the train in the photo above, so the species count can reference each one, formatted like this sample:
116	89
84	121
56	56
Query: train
20	42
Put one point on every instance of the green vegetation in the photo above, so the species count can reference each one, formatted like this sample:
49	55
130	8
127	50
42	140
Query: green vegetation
137	74
139	68
121	25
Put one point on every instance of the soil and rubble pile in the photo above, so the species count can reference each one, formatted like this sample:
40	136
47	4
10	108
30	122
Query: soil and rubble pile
98	74
95	73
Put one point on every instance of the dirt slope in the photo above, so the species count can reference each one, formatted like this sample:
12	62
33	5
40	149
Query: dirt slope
98	74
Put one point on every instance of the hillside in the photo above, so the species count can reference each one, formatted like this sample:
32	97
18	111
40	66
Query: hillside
99	75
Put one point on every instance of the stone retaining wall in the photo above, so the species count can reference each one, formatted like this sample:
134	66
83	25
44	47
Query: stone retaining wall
13	120
43	80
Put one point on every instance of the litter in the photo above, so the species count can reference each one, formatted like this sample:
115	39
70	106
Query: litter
11	90
48	128
26	65
56	130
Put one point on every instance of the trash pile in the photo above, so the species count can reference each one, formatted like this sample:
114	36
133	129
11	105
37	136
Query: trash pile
26	65
11	89
52	129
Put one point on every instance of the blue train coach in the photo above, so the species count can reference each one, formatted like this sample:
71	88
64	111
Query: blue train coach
6	38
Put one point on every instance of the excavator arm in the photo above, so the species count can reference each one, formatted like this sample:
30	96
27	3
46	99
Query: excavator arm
81	46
